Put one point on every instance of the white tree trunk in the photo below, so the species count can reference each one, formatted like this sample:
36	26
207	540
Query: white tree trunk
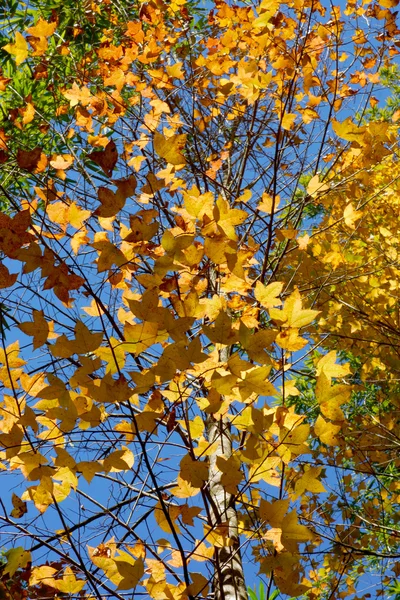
229	582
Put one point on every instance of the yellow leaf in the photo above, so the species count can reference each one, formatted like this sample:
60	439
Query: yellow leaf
199	585
303	241
202	552
170	148
188	513
293	442
231	473
221	332
42	28
288	120
131	571
184	489
140	337
38	328
292	314
309	482
288	586
315	187
193	471
289	339
256	381
28	113
293	533
69	584
228	218
120	460
19	49
327	365
268	204
250	419
347	130
10	356
86	341
256	343
175	71
273	512
331	397
17	558
351	216
89	469
43	575
163	521
218	536
326	431
268	295
77	215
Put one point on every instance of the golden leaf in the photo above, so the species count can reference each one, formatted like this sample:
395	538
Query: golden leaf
19	49
170	148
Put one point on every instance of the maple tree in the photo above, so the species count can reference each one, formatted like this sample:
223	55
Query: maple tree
197	300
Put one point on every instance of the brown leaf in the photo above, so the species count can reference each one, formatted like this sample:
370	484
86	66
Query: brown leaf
28	159
107	158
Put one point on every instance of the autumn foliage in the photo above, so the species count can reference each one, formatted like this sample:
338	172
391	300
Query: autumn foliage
199	308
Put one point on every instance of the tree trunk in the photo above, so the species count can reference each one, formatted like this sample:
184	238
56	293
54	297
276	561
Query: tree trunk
229	582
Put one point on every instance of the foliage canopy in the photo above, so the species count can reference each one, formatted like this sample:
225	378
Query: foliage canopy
199	299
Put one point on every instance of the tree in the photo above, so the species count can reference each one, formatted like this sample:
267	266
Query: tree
187	187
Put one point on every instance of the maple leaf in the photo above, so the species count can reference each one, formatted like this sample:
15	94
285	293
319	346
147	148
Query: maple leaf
228	218
42	28
28	159
68	584
17	558
62	162
288	120
327	431
38	328
111	203
315	187
221	332
107	158
350	215
268	296
129	570
19	49
170	148
274	512
347	130
7	279
293	533
77	95
293	315
327	365
309	482
195	472
231	473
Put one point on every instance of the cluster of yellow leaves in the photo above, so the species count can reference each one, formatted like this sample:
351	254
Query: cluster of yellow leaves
121	569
